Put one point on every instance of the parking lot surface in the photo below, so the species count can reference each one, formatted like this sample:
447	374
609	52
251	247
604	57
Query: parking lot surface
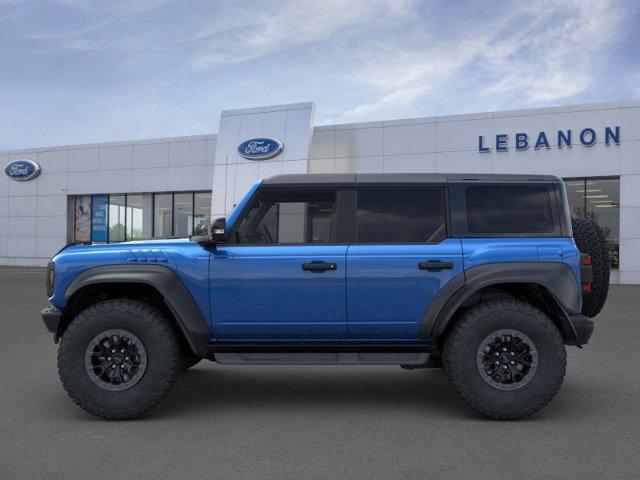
269	422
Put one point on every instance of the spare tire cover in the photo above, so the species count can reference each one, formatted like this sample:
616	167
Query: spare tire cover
590	239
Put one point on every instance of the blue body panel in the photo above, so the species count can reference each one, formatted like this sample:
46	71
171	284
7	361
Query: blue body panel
387	294
261	292
481	251
187	259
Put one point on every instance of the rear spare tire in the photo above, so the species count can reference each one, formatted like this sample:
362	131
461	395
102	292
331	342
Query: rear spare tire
590	239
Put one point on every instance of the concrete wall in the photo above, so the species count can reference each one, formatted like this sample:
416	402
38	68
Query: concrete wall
33	214
450	144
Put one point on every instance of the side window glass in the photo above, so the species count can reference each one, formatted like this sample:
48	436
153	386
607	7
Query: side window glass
401	215
289	217
509	209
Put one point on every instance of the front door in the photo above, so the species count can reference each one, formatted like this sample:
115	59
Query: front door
282	276
399	262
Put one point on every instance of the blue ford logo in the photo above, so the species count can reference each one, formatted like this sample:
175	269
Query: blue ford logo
22	170
260	148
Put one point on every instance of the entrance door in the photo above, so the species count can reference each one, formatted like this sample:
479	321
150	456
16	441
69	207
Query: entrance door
400	261
282	277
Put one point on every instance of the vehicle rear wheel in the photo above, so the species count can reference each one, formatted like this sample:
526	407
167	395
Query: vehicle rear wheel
119	358
590	239
505	358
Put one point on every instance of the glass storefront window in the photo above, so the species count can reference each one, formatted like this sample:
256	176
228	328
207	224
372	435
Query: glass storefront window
121	217
180	214
82	219
134	217
183	214
99	216
201	212
162	215
117	218
598	199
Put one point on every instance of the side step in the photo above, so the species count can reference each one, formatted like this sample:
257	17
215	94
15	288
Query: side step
320	354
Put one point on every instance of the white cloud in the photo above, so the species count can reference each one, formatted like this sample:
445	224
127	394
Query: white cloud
166	67
254	33
555	63
543	51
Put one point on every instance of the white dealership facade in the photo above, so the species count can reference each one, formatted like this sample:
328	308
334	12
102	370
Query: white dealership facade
169	186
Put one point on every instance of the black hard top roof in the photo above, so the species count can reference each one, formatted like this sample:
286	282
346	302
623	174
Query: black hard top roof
351	179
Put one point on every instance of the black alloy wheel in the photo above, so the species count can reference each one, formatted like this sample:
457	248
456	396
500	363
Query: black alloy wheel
116	360
507	359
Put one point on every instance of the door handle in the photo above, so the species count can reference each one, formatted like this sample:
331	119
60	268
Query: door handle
435	265
319	266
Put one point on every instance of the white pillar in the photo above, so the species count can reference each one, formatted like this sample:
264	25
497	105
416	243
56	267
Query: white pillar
291	124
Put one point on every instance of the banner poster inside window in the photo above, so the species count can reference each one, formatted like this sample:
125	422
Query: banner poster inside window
82	229
99	208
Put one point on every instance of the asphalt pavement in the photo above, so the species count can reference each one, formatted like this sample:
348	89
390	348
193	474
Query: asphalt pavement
298	422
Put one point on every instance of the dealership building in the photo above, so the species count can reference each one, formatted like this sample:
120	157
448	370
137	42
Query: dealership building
169	187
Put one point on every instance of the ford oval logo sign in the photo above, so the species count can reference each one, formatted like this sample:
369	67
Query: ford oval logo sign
260	148
22	170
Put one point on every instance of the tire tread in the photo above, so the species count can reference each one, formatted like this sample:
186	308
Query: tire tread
463	330
154	321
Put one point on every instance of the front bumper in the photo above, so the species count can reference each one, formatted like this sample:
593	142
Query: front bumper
51	318
583	328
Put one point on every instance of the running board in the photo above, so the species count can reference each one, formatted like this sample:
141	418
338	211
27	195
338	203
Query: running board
322	358
320	354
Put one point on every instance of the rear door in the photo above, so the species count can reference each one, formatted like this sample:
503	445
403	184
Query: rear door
283	276
400	260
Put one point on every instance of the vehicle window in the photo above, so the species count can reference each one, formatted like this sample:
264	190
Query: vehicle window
288	217
401	215
509	209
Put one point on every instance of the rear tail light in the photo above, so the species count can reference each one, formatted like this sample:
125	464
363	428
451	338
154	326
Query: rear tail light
586	273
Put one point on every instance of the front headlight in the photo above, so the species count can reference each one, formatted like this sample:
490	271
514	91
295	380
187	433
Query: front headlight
51	276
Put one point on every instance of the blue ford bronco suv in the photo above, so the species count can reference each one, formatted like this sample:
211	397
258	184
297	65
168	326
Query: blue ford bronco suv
478	274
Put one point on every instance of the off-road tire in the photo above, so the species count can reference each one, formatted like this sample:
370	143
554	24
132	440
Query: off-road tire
163	350
460	351
590	239
189	361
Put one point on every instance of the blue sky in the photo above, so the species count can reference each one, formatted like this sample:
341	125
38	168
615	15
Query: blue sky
76	71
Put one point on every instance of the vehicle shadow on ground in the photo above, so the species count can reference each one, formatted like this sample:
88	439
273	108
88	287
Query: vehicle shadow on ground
423	392
292	389
208	390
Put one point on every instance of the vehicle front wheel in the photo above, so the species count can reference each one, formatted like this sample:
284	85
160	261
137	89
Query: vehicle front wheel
505	358
119	358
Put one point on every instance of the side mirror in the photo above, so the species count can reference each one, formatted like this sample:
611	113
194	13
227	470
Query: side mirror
218	231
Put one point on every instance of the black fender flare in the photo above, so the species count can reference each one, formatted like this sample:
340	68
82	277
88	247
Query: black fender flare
176	295
556	277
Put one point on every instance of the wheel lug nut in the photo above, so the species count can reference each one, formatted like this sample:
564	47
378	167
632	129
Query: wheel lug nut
512	362
511	353
108	359
126	358
497	354
122	350
504	367
113	366
113	351
504	349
